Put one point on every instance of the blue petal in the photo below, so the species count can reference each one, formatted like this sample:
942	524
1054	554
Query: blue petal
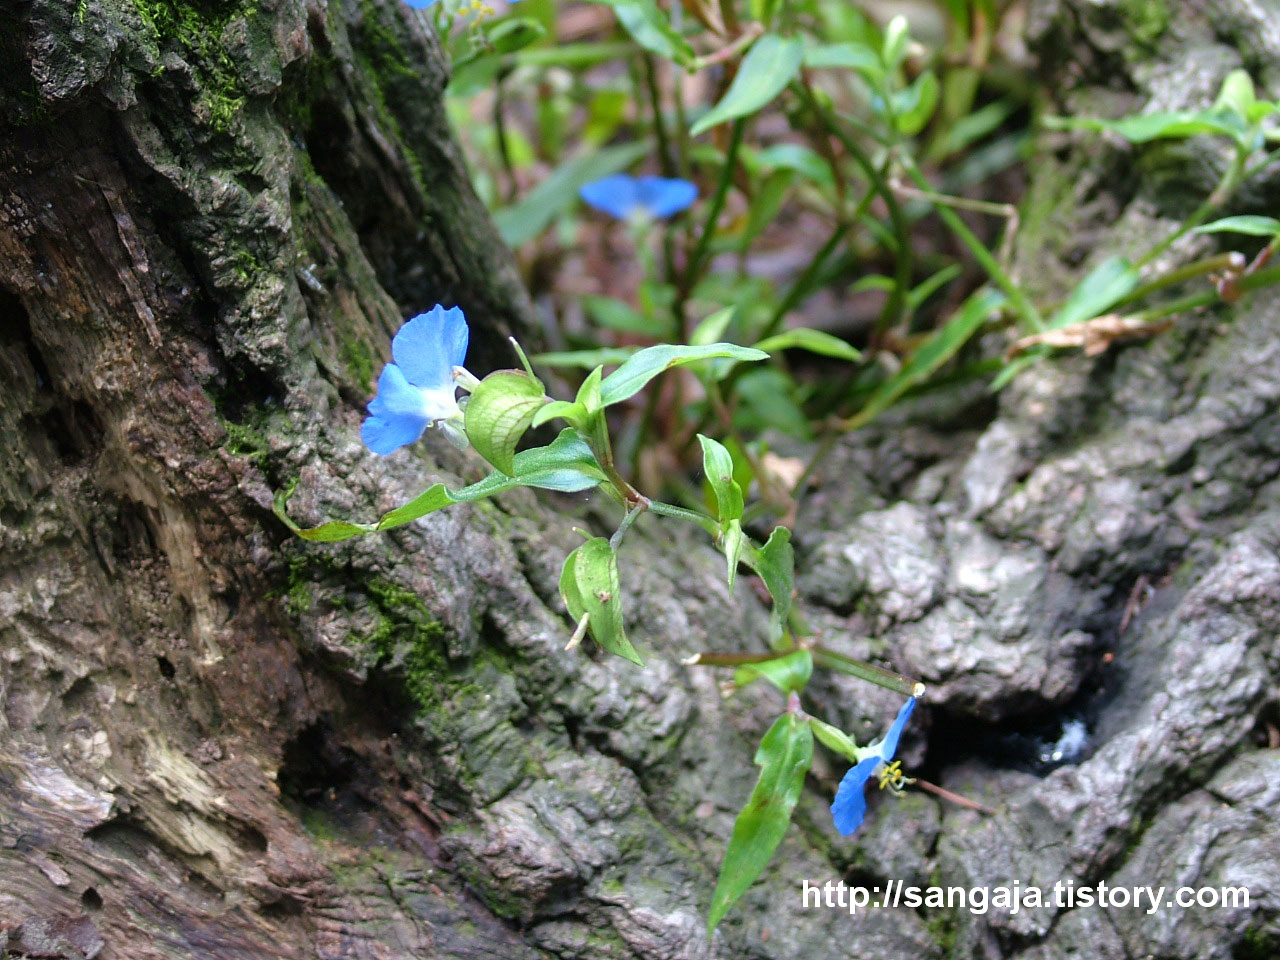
421	4
429	346
386	436
662	197
850	804
396	415
616	195
889	745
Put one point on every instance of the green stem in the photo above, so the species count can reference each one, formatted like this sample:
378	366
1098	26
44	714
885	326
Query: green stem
826	657
804	282
680	513
713	659
1025	310
1221	261
694	267
897	302
616	540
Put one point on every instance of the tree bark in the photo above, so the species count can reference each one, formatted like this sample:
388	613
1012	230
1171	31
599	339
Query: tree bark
218	741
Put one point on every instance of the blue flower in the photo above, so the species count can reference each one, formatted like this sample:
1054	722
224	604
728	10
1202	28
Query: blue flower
421	4
624	196
418	388
850	804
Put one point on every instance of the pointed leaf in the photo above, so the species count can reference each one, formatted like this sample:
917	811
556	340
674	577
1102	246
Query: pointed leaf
775	563
650	28
630	378
770	64
717	464
789	674
1254	226
815	341
784	757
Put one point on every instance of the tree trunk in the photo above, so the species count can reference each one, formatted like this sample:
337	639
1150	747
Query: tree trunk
218	741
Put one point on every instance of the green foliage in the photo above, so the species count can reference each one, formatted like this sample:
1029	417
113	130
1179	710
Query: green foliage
770	64
499	412
590	587
784	757
566	465
812	115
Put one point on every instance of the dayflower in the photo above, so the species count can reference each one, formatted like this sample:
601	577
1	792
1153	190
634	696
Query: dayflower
625	197
418	388
421	4
850	804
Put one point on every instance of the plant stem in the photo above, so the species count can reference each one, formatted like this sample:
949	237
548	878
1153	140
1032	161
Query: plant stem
694	267
680	513
1025	310
955	798
895	305
832	660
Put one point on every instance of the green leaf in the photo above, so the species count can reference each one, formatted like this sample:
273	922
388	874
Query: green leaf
815	341
584	359
508	36
1177	124
650	28
616	315
589	584
630	378
717	464
712	327
789	673
775	562
566	464
1237	94
768	399
590	392
732	540
532	214
500	410
933	353
574	55
770	64
765	205
784	757
926	288
1107	283
575	413
795	156
896	40
914	106
847	56
835	739
1253	226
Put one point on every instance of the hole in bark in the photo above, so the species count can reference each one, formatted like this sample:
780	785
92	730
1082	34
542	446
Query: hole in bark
78	694
324	781
75	430
1021	743
253	839
167	669
91	900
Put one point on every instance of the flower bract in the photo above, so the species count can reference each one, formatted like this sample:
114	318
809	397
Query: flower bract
850	804
624	196
418	387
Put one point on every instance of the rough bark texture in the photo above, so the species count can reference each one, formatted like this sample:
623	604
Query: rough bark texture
219	742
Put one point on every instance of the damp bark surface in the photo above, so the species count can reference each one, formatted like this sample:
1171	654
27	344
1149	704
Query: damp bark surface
219	741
